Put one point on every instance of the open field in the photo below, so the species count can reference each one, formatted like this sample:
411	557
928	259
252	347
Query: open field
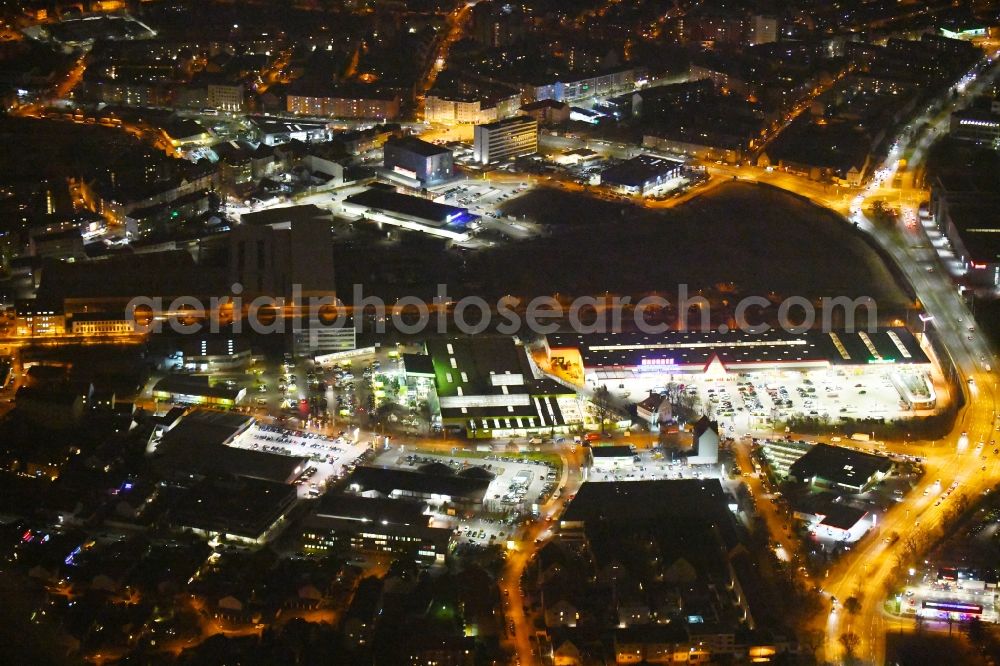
745	238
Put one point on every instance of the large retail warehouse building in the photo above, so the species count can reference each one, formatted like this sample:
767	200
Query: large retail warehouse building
639	362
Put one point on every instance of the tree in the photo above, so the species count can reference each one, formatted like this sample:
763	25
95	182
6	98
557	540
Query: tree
602	401
853	605
882	214
687	408
812	640
850	641
977	633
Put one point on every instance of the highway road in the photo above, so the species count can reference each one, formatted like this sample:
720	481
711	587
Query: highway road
869	567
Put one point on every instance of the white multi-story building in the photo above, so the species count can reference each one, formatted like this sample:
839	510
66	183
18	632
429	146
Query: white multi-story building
505	139
225	97
604	85
455	109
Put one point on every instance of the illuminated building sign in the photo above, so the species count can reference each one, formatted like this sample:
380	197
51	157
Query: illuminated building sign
953	607
656	362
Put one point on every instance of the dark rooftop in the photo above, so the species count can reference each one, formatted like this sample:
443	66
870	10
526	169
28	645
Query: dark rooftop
171	273
977	220
839	465
418	364
612	451
842	516
695	348
183	385
634	502
243	506
372	509
406	204
639	170
386	480
198	445
544	104
286	215
418	146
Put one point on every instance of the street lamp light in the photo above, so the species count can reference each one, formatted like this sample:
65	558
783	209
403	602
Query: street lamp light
926	318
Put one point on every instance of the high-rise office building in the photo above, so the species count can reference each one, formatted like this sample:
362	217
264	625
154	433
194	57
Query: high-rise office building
763	30
505	139
282	259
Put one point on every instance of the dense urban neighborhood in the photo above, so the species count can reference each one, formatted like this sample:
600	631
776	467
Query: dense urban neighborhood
475	332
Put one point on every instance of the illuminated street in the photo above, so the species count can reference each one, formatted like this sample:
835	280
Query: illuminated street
481	333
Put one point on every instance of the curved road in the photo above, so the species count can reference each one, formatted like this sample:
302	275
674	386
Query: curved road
869	567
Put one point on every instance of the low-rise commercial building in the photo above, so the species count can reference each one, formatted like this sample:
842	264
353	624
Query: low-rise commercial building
215	353
276	131
197	390
183	133
376	526
250	511
102	323
721	145
577	156
967	30
488	387
627	357
610	458
977	126
840	467
411	212
970	219
835	521
642	175
446	492
201	445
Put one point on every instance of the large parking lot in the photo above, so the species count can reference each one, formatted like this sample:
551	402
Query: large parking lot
478	195
742	401
328	456
484	198
519	487
652	464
